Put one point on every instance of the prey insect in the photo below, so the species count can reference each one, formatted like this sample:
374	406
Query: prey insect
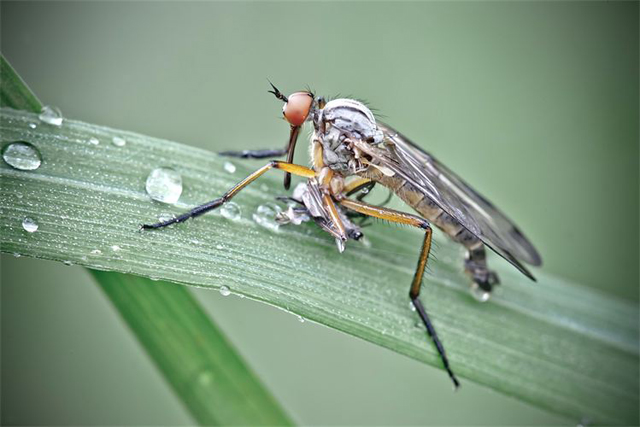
351	151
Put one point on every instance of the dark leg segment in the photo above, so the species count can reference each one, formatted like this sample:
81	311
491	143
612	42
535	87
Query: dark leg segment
287	167
475	263
291	149
416	284
255	154
414	293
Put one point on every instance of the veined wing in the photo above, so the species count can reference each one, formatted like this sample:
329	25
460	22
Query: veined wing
456	197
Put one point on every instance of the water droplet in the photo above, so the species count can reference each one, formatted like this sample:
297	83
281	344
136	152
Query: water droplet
219	247
340	244
164	217
33	125
301	319
22	155
29	225
84	258
115	248
164	185
17	255
154	279
412	307
225	291
229	167
118	141
67	263
479	294
265	216
96	252
51	115
94	141
231	210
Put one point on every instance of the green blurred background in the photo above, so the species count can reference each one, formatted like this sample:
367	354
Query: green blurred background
536	104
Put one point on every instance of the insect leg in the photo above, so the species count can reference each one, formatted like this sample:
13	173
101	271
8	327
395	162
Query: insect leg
358	185
475	264
255	154
341	231
416	284
199	210
289	150
363	186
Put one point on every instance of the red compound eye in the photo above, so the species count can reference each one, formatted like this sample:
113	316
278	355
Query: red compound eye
297	108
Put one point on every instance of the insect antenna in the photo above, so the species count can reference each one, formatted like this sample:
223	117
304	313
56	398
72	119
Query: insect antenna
277	93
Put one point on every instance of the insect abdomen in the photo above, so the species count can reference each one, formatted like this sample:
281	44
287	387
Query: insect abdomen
425	207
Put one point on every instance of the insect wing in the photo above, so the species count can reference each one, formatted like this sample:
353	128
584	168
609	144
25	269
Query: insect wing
458	199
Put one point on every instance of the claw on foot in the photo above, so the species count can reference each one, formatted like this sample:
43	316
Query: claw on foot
483	282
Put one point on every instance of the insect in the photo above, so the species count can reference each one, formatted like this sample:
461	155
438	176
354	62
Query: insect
351	151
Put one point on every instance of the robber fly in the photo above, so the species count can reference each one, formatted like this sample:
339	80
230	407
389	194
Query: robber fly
351	150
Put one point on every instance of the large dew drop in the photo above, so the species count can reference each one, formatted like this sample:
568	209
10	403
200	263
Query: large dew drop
225	291
51	115
29	225
164	185
231	210
266	214
22	155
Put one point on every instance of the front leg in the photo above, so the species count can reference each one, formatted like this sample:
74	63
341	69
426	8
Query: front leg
199	210
289	150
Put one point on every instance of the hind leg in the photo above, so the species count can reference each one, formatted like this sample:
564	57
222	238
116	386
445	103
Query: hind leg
475	265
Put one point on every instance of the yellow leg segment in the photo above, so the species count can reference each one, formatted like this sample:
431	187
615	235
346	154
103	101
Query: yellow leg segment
352	185
287	167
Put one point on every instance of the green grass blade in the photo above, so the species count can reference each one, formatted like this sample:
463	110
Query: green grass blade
203	368
196	359
14	92
554	344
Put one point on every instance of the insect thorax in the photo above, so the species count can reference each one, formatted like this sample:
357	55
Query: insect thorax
338	123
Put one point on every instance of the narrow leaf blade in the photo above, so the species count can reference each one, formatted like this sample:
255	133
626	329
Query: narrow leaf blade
197	360
14	92
554	344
